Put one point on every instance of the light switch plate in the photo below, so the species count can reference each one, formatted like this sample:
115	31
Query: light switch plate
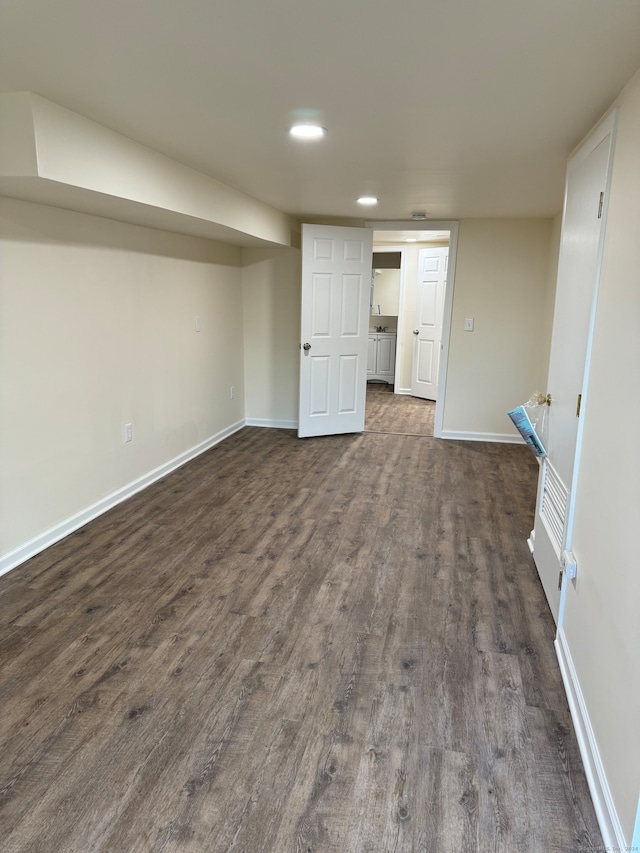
468	324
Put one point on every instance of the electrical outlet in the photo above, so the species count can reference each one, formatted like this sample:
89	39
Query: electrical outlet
128	433
232	392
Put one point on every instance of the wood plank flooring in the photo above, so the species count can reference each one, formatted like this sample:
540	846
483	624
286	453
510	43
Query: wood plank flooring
397	413
334	644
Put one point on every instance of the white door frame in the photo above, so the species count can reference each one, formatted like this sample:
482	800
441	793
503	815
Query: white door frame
402	250
431	225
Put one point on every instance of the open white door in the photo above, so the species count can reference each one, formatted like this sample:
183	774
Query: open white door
336	279
427	331
576	294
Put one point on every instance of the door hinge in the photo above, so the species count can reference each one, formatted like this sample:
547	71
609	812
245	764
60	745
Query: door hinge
600	205
578	406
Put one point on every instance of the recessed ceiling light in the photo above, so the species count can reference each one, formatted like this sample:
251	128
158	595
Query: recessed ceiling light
367	199
307	131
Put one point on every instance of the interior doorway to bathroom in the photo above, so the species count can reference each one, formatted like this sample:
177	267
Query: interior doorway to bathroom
411	313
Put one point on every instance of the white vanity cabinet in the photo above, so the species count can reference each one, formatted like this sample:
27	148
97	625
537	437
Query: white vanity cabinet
381	356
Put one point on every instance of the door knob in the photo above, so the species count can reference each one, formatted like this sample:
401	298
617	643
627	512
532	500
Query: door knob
306	347
416	331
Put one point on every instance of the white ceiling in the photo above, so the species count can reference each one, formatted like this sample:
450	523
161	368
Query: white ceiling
460	109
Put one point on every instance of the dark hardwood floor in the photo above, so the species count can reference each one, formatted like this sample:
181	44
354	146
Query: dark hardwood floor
334	644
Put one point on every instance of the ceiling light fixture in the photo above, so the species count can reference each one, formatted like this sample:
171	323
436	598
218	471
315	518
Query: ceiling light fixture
411	239
419	214
367	200
307	131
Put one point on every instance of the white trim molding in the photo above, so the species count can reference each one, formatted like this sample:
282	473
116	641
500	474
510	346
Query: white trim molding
610	826
54	534
271	424
464	435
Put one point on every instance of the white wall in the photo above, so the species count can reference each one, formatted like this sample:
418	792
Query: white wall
97	329
271	295
602	611
386	293
546	329
501	282
18	155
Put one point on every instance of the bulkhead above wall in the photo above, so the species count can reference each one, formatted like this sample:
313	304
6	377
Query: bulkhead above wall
51	155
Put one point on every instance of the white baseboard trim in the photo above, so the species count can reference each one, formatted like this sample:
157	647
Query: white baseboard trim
463	435
402	391
54	534
610	827
265	422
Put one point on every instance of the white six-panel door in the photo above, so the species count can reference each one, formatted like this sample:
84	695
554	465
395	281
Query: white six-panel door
336	280
427	331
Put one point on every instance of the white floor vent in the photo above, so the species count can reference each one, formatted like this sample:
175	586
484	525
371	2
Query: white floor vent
553	507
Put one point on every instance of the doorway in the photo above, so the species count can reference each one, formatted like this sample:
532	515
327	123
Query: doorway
393	404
